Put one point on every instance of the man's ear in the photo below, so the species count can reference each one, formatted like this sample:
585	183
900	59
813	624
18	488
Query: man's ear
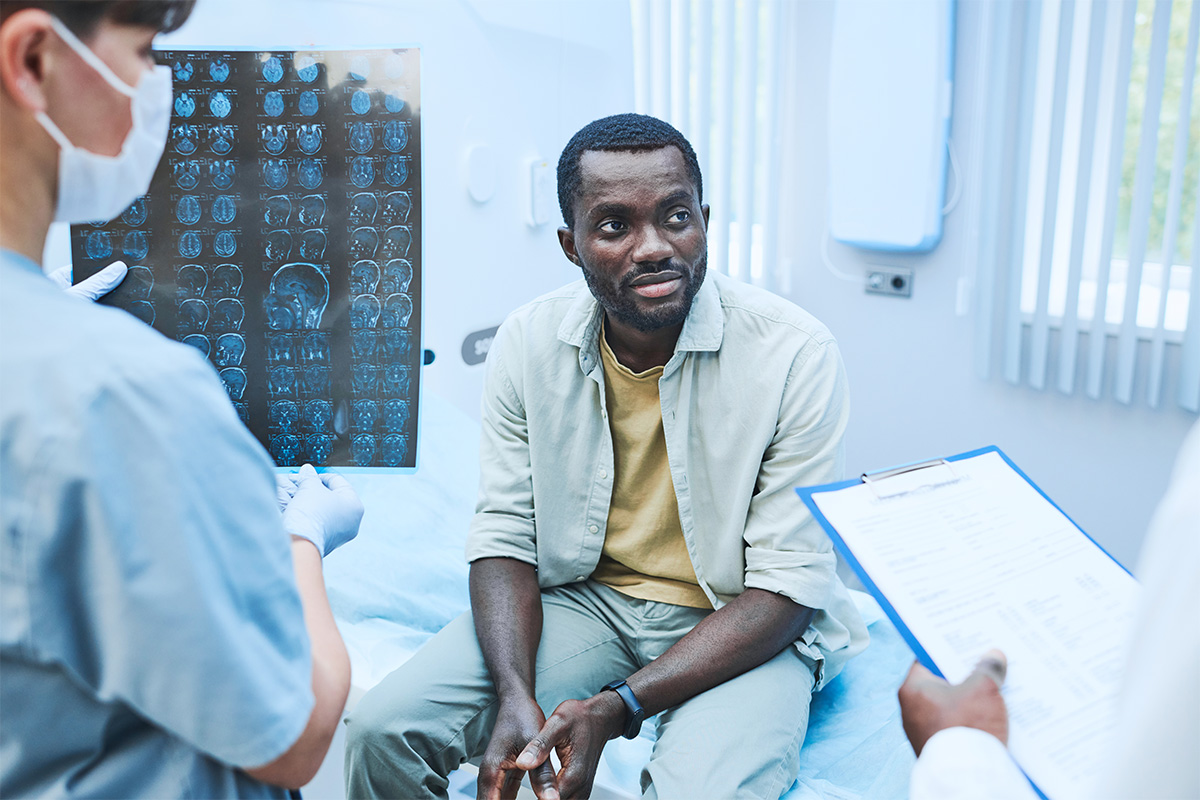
24	51
566	240
704	213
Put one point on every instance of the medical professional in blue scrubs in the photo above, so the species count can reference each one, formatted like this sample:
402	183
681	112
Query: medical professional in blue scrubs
161	634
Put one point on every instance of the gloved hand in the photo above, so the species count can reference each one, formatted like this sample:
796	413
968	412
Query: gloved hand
285	490
92	288
325	510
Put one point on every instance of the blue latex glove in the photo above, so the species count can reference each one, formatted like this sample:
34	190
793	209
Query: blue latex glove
92	288
325	509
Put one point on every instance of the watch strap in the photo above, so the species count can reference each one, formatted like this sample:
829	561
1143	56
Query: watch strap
634	713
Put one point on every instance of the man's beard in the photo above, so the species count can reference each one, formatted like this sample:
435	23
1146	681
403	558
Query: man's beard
616	300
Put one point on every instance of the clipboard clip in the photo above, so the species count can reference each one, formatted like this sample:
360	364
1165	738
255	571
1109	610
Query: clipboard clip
873	479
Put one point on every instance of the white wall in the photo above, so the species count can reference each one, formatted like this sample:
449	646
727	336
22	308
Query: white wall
914	391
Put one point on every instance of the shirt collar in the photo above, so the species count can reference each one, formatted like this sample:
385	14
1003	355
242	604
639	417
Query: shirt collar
702	330
12	257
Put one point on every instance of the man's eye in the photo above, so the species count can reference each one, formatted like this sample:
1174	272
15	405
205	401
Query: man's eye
612	226
682	215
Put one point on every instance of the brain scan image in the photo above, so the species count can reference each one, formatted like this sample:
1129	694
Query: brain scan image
309	138
227	280
224	209
364	311
395	379
361	138
143	310
272	104
312	210
234	379
395	448
274	138
363	344
307	69
315	348
362	172
219	105
397	343
220	139
220	173
185	106
364	242
186	174
318	446
227	314
360	102
224	244
393	66
310	173
197	341
230	349
280	316
364	277
193	316
393	104
360	68
280	349
135	245
396	207
312	245
281	381
284	416
191	281
315	380
395	135
308	103
363	208
277	246
275	173
285	449
182	71
98	245
218	70
365	415
395	170
397	309
397	275
279	209
190	244
136	213
362	449
185	139
318	416
396	241
395	414
243	412
139	282
301	288
366	379
272	70
187	210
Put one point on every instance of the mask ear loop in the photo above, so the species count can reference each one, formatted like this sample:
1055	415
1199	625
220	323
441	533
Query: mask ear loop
92	60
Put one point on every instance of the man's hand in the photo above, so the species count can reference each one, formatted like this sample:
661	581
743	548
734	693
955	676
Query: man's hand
929	704
578	731
519	720
92	288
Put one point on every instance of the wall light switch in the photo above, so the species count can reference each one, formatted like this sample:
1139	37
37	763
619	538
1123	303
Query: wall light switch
889	280
543	192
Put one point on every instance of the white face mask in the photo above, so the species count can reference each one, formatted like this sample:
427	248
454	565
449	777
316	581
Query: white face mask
93	187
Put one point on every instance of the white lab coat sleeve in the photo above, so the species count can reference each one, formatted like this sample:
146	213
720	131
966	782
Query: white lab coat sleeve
969	764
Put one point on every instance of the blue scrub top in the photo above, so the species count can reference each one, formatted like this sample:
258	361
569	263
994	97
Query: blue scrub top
151	634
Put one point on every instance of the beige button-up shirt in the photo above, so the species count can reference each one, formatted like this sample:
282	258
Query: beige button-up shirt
754	403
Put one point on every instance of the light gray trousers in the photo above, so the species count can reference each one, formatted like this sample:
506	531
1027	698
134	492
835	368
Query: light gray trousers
739	739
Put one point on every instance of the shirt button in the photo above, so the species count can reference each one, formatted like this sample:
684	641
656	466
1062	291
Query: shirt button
593	529
603	473
579	577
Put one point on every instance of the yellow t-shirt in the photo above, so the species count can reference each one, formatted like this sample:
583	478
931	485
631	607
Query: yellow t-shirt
644	553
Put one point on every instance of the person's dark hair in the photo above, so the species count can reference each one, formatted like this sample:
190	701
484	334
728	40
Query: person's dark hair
630	132
82	16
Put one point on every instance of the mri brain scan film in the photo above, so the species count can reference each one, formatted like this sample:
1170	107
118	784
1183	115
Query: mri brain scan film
281	240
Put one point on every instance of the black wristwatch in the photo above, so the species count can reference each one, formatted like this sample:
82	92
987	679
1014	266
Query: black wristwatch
634	713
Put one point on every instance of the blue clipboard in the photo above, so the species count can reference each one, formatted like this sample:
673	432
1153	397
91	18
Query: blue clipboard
806	494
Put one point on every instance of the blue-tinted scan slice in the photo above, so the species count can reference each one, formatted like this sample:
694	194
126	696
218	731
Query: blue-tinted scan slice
272	70
136	213
361	138
360	102
307	69
308	138
393	104
273	104
183	71
185	106
136	245
219	105
395	135
218	70
309	104
224	209
187	210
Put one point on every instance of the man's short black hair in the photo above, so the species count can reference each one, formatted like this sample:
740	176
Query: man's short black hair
634	132
82	16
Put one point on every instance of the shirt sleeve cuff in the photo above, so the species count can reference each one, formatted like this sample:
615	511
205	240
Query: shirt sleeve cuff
967	763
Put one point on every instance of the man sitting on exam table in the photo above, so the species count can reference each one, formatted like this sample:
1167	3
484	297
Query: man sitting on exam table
959	732
161	635
643	429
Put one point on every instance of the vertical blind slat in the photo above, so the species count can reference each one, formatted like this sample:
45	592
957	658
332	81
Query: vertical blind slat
641	48
773	33
1174	202
681	72
1114	94
660	59
701	124
744	137
1189	358
1143	195
1068	347
722	144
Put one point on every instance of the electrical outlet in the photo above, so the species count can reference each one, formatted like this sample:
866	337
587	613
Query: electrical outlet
889	280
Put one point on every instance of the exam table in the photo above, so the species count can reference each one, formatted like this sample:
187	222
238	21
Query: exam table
404	577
